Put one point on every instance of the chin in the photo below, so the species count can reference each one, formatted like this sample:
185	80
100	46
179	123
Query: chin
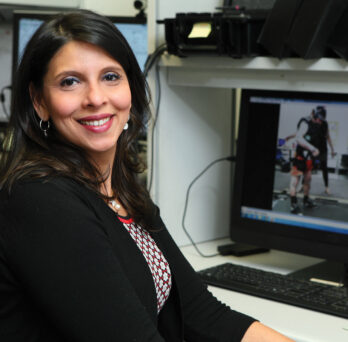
103	149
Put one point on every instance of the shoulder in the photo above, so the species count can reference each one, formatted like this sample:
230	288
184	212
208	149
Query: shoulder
36	187
49	211
44	185
30	196
303	123
304	120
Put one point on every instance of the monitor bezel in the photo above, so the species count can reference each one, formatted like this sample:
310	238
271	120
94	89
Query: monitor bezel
328	245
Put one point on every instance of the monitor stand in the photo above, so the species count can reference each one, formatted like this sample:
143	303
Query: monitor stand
326	272
240	249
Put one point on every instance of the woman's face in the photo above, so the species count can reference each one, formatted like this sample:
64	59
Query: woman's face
86	95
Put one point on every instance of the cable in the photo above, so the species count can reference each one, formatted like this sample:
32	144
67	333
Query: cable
150	61
230	158
158	82
3	99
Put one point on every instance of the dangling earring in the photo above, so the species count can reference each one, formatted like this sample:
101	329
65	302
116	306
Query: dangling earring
44	129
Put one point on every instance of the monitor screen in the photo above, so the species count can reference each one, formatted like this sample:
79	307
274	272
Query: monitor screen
26	23
291	177
135	31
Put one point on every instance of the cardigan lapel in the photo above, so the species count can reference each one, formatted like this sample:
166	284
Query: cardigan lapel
130	257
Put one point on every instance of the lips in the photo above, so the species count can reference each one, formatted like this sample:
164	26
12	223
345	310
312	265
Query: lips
97	123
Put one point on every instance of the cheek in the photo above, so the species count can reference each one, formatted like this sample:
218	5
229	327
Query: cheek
122	99
62	106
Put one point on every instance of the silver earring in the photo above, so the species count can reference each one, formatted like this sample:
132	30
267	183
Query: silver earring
126	126
44	129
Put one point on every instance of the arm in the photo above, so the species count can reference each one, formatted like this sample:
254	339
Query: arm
258	332
301	131
328	138
64	260
291	136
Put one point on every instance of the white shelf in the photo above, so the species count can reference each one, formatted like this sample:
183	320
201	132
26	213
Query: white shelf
325	74
256	63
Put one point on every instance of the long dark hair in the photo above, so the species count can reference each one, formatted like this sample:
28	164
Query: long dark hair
31	154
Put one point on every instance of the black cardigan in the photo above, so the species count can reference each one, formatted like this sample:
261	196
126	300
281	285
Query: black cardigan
69	271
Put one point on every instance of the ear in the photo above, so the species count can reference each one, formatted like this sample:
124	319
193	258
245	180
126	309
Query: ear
38	103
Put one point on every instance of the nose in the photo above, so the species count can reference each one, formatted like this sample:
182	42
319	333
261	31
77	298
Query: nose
95	96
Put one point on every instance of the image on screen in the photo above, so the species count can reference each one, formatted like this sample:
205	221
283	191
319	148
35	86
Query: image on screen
300	148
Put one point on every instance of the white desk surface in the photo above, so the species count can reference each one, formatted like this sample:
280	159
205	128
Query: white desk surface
302	325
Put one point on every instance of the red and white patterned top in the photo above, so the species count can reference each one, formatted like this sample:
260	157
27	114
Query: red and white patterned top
158	264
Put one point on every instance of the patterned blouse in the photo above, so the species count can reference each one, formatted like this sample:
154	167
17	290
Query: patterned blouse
158	265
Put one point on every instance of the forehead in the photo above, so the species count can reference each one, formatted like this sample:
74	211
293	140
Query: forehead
80	55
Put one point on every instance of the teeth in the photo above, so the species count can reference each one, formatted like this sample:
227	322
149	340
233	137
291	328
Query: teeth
95	122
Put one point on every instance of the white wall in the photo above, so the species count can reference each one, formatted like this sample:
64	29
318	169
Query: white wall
111	7
106	7
194	128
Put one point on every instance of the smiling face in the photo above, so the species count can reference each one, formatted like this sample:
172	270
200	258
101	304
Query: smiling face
87	97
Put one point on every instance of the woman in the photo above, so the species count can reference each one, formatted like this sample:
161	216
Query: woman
69	270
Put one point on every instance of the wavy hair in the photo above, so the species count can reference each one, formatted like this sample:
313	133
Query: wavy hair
31	154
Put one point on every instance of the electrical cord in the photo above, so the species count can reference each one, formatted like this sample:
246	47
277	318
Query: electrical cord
152	58
3	99
230	158
150	61
158	82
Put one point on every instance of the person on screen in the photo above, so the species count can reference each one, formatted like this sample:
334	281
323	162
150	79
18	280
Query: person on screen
324	139
321	141
84	254
307	138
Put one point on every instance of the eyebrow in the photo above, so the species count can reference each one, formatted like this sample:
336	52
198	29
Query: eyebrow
74	72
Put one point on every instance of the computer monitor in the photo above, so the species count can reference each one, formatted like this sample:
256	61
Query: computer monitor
25	23
268	160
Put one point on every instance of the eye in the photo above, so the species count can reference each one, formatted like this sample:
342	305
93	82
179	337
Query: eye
111	77
69	82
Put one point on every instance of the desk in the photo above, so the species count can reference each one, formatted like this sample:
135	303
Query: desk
300	324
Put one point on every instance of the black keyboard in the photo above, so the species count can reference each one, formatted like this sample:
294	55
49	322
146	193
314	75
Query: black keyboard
281	288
